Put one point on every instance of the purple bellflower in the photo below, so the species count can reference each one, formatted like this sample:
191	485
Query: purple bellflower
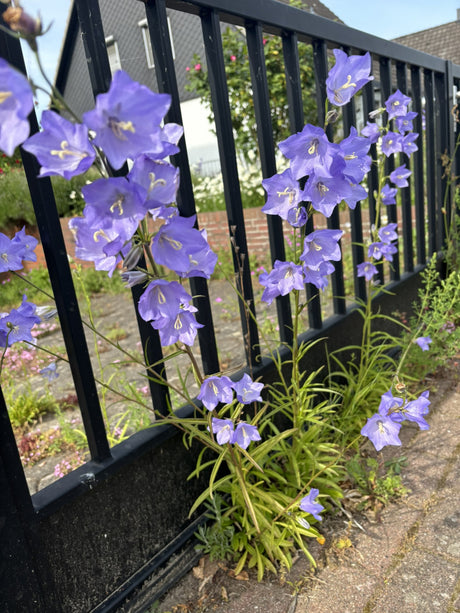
284	277
16	325
183	248
181	328
321	246
348	75
381	249
404	122
28	244
326	189
408	143
308	504
283	195
423	342
62	148
16	102
307	150
399	176
388	194
11	254
389	404
164	298
396	105
223	429
392	143
91	244
160	180
114	203
354	150
245	433
50	371
366	270
247	390
414	411
319	276
127	120
381	431
388	233
216	389
371	131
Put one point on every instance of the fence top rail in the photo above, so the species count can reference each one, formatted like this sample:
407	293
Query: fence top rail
277	18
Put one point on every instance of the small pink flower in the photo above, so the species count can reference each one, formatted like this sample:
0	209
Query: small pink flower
233	58
218	299
197	66
187	69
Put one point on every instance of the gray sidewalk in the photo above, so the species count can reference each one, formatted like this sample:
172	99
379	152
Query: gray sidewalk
406	562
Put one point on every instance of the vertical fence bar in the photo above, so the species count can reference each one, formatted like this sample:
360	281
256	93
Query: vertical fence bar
417	165
401	79
167	83
223	119
442	144
61	281
90	20
450	140
258	70
296	120
392	211
430	161
357	249
333	222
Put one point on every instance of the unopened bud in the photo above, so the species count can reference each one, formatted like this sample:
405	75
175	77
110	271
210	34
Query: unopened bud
22	22
332	116
376	113
133	257
134	277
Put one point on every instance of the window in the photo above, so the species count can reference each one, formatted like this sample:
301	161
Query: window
114	56
148	45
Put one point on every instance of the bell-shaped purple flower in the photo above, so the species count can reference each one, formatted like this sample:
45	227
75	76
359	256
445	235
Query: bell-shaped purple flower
354	150
381	431
389	404
283	195
245	433
183	248
62	147
326	189
366	270
163	298
216	389
284	277
423	342
408	143
319	277
91	244
404	122
392	143
16	325
50	372
127	120
27	243
160	180
321	246
181	328
396	105
388	194
414	411
388	233
348	75
223	429
114	203
16	102
371	131
307	150
247	390
399	176
10	254
308	504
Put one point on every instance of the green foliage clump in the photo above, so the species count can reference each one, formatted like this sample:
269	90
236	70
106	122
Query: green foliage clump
25	407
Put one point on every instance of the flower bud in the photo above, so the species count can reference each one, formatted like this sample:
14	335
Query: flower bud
134	277
332	116
20	21
376	113
133	257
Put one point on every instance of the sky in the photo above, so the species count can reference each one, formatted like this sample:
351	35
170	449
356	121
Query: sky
384	18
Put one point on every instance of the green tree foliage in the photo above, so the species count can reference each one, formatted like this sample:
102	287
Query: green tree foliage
241	94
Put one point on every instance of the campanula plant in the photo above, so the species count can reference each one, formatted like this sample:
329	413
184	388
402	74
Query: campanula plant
275	473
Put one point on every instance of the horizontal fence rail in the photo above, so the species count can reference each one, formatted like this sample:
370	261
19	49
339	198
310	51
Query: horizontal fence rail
125	510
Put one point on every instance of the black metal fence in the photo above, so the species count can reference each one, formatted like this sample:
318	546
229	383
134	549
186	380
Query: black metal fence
90	540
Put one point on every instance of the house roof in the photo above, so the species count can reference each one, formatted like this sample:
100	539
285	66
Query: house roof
317	8
442	41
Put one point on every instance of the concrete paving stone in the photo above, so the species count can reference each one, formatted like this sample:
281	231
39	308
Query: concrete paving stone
342	590
422	583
